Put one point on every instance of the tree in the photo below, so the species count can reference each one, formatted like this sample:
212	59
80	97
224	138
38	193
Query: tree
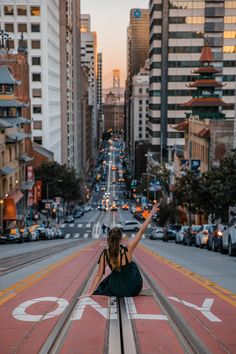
70	187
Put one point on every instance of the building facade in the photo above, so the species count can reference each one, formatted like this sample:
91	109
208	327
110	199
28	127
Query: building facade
137	54
178	31
99	96
38	23
139	111
89	60
71	117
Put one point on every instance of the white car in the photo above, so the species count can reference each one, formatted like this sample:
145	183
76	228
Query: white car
157	234
202	235
130	225
181	233
229	239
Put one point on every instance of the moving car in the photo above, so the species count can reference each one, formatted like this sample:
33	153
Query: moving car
157	233
125	206
171	231
114	207
130	225
69	219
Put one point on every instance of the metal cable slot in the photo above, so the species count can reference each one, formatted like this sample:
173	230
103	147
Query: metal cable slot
191	343
56	338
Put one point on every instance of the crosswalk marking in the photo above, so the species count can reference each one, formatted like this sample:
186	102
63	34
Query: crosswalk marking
67	236
80	225
133	236
88	225
86	235
76	235
71	225
63	225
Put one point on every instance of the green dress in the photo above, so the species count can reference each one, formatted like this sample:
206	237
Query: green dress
123	282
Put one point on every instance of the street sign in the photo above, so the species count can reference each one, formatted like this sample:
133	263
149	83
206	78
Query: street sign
47	206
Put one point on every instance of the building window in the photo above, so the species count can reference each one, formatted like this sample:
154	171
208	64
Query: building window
21	10
140	115
36	60
22	27
38	124
36	77
140	136
9	27
140	90
37	109
140	122
8	10
35	44
23	43
35	11
38	140
37	93
35	27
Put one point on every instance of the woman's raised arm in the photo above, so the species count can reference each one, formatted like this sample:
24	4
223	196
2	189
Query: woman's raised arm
133	243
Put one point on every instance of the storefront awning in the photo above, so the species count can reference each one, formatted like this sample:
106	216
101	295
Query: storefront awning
6	77
16	195
7	170
5	123
14	137
25	158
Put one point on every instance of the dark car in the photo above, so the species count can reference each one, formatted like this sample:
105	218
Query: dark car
190	236
215	237
170	232
139	216
69	219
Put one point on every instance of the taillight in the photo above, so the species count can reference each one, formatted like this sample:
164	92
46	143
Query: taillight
205	232
219	233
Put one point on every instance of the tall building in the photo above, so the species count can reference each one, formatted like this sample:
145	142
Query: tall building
38	23
89	60
85	23
178	31
139	112
71	113
137	54
99	96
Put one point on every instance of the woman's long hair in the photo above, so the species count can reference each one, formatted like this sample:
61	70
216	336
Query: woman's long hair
113	240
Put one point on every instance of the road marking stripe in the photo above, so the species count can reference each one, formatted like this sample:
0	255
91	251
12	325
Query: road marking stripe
88	225
217	290
76	235
8	293
67	236
63	225
71	225
86	235
80	225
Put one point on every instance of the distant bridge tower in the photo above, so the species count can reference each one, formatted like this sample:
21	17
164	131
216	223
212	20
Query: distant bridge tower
116	83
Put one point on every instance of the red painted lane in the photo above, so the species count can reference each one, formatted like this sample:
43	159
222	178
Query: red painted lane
28	337
87	334
155	336
216	335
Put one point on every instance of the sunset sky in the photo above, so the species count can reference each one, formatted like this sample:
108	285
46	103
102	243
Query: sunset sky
110	19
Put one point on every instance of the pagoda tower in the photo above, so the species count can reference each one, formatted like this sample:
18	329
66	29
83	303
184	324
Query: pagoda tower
206	102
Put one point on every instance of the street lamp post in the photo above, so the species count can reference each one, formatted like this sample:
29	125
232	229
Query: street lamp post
1	213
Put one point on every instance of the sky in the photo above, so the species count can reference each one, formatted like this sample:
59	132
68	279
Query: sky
110	19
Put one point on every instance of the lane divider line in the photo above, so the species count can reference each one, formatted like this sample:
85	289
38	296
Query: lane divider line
215	289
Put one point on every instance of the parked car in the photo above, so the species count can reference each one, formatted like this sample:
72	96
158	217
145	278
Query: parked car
69	219
180	234
190	235
88	208
60	234
170	232
215	238
11	235
157	233
42	232
30	233
202	235
130	225
228	244
77	214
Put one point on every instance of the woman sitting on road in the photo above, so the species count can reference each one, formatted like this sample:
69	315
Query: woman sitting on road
125	278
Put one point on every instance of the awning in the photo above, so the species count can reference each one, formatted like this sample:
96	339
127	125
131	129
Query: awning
12	103
19	120
25	158
6	77
27	185
5	123
7	170
16	195
14	137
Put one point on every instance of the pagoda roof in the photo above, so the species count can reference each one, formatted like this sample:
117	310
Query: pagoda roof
6	77
181	126
207	102
206	70
205	83
206	55
204	133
